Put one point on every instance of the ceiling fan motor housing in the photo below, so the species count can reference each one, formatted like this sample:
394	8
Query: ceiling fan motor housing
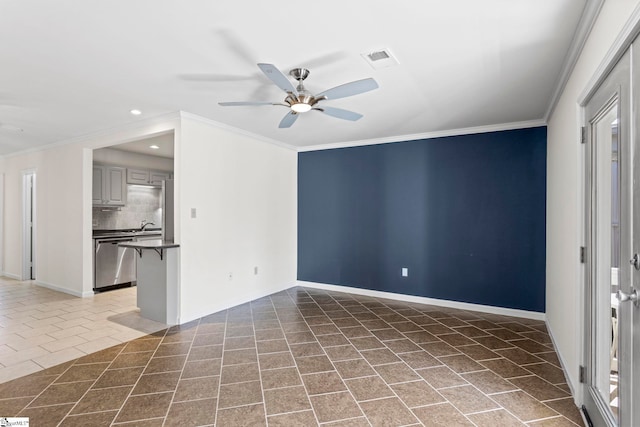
299	73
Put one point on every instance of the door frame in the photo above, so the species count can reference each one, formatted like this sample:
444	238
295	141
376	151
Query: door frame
622	43
28	230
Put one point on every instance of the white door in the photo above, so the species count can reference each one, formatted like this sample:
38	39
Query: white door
608	377
28	225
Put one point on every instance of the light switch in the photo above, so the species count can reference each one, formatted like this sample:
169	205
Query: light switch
405	272
193	212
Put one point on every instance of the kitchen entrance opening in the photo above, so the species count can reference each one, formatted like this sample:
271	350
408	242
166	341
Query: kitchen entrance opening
132	200
612	252
28	224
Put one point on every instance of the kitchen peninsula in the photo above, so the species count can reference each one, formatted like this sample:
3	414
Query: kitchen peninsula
158	279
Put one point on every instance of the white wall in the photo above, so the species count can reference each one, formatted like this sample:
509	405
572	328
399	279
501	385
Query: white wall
244	193
564	192
58	215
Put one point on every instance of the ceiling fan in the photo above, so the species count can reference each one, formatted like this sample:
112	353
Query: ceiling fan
299	100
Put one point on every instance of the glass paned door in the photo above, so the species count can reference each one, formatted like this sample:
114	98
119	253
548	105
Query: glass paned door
608	168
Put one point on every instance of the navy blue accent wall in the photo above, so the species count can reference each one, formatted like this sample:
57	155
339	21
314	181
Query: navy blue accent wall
465	214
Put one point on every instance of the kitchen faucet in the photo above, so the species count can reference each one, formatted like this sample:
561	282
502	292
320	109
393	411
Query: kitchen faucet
144	224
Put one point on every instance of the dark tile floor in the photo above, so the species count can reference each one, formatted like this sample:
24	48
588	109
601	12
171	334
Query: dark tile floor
308	357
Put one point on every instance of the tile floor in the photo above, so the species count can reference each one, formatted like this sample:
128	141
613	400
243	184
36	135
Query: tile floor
309	357
40	328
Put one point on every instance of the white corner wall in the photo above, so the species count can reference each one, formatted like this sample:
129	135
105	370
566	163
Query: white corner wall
59	216
245	195
564	191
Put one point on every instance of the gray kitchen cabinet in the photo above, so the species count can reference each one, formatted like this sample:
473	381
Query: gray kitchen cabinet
146	177
137	176
156	177
98	185
109	185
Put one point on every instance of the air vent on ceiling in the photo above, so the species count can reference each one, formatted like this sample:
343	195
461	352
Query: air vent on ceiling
377	56
382	58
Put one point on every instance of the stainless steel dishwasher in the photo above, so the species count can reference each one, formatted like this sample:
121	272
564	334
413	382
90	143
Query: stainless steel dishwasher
113	265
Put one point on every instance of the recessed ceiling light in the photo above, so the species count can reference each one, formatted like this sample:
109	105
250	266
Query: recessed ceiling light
154	147
136	112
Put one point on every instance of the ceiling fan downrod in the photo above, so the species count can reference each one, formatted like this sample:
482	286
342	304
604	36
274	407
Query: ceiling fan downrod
305	100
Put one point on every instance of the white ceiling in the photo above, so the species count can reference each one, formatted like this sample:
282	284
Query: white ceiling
70	68
143	146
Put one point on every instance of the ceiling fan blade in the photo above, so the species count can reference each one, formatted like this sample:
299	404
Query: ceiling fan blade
349	89
288	120
278	78
243	103
340	113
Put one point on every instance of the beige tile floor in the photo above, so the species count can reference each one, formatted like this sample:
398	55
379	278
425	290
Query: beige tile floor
40	328
307	357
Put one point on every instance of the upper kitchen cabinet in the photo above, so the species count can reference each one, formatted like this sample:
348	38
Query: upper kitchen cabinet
146	177
109	185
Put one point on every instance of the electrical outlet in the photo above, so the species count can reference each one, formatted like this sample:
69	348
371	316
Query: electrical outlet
255	270
405	272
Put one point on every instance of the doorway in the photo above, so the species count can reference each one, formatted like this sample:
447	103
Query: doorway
28	224
611	312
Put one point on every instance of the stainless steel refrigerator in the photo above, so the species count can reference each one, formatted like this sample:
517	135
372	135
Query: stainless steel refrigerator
168	218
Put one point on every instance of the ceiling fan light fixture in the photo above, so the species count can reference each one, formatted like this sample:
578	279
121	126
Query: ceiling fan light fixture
300	107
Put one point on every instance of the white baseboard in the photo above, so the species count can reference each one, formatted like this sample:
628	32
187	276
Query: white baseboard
424	300
63	290
564	366
9	275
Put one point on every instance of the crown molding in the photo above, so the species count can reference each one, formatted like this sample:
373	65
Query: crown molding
105	133
628	34
585	25
428	135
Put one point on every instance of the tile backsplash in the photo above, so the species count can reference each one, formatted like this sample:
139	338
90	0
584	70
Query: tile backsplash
142	203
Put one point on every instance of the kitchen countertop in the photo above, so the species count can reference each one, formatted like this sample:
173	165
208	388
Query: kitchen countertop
150	244
127	232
